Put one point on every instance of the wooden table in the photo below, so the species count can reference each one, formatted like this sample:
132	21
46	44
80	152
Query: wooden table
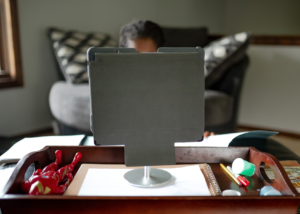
14	201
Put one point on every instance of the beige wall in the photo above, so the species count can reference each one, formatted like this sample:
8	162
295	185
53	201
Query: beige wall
26	109
270	96
262	16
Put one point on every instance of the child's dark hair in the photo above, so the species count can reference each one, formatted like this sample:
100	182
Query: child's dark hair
141	29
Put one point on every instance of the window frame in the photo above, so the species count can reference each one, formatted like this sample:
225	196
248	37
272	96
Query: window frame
11	74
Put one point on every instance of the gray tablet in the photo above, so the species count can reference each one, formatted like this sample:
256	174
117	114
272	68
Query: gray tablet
146	101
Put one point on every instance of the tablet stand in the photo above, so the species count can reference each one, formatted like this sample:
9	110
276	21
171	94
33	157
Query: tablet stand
147	102
148	177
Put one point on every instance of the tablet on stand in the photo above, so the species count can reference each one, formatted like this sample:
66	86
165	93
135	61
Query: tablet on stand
146	102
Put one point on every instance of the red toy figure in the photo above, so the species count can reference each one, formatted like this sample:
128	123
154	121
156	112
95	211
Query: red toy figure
54	166
47	182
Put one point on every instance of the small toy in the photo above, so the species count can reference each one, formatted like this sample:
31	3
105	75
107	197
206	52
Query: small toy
50	181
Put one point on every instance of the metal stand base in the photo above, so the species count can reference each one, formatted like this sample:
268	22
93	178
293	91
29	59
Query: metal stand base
148	177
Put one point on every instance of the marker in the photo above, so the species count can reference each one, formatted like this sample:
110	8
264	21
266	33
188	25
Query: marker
230	174
241	179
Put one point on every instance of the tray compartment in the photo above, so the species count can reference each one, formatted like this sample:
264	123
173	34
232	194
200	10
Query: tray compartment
13	201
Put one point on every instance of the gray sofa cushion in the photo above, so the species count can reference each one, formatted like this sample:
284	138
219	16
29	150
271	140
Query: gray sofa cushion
218	108
70	104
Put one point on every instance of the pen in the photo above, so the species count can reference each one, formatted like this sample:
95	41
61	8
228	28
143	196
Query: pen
241	179
230	174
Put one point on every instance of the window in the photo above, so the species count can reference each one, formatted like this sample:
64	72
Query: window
10	55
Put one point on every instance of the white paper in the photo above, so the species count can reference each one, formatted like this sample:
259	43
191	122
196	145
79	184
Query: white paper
222	140
89	141
4	176
27	145
186	181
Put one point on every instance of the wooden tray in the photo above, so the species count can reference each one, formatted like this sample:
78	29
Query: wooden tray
14	201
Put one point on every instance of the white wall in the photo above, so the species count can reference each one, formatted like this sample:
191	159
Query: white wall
26	109
271	92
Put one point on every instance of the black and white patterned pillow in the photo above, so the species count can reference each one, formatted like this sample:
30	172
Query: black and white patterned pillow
70	49
222	54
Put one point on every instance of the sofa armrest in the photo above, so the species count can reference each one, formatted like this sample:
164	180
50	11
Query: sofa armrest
70	104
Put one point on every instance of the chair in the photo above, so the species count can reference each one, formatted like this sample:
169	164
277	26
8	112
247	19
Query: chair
222	99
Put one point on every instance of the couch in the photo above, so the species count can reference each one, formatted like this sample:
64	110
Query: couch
69	102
